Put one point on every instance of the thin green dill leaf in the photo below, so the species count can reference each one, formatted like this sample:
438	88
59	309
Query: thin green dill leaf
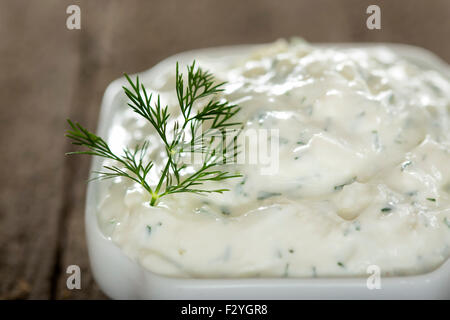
131	161
431	199
386	209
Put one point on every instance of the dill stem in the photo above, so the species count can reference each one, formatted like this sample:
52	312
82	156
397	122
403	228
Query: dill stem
155	195
155	198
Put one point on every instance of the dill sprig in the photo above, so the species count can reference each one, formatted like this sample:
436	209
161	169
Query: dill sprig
187	136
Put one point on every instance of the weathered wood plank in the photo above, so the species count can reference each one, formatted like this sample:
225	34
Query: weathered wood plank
92	79
38	63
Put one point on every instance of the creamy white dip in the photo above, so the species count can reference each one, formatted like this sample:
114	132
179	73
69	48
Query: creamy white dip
363	177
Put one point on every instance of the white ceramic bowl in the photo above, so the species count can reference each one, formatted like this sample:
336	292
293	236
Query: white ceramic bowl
121	278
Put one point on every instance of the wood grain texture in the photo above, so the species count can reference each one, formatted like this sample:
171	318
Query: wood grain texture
36	86
50	73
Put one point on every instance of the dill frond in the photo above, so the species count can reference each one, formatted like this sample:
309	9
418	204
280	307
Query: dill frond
215	114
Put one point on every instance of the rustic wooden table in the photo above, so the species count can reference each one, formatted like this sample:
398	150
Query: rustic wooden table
49	73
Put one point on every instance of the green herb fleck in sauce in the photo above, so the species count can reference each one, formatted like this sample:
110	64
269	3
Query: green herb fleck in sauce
386	209
262	195
341	186
376	140
392	99
405	164
225	210
447	221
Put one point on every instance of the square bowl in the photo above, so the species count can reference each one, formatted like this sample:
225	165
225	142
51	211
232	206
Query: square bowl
122	278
